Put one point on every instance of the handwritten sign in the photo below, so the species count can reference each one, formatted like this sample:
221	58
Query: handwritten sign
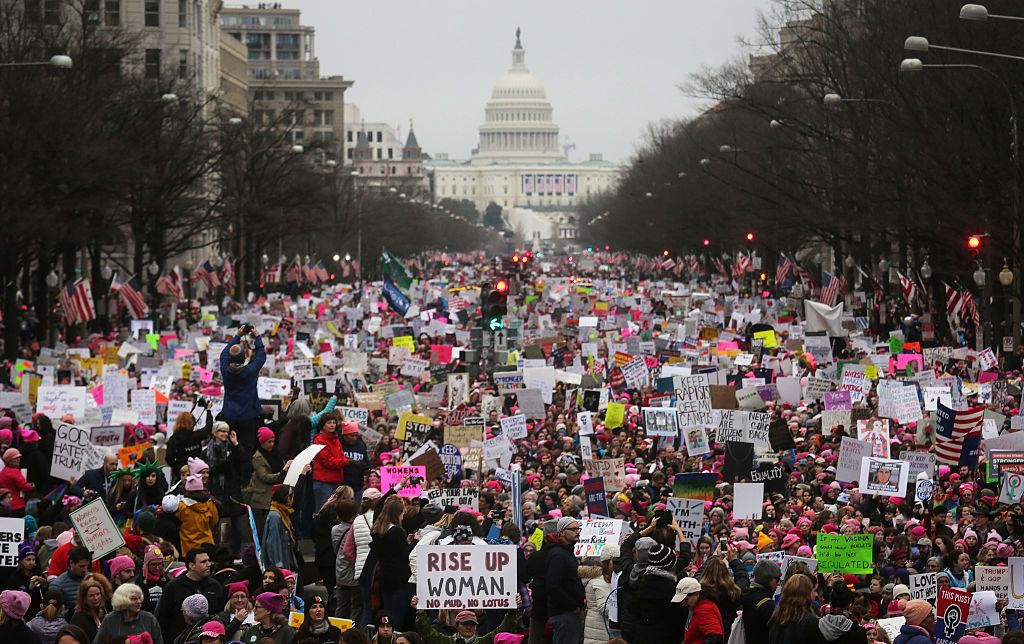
96	528
693	400
924	586
58	401
73	453
993	578
514	426
595	534
689	516
466	577
462	497
846	553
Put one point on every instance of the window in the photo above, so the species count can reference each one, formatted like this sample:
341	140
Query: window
283	21
318	96
348	136
322	118
380	137
152	11
92	12
391	153
152	63
259	46
183	64
328	96
349	153
380	155
229	21
287	46
260	74
182	13
291	73
51	12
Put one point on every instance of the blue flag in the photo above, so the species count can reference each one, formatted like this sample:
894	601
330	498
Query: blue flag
396	299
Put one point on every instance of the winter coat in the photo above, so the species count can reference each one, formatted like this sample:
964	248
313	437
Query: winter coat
432	636
429	535
116	624
799	632
283	635
168	610
277	543
18	632
184	444
358	462
329	463
758	605
840	629
241	401
913	635
12	479
657	619
229	465
344	565
392	550
198	521
332	635
562	581
595	630
151	591
363	526
264	478
705	625
47	631
728	609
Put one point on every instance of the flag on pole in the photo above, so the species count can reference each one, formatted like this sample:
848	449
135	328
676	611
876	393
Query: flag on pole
321	271
910	292
208	274
391	268
169	283
227	275
76	300
271	274
957	435
783	268
309	273
294	272
130	291
831	288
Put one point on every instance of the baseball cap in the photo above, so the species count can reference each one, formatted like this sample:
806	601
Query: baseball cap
465	616
213	629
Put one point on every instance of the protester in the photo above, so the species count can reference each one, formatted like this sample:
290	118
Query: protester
13	480
279	543
270	621
152	579
268	470
186	442
793	620
229	467
240	368
90	604
13	604
390	544
128	618
195	580
315	624
79	560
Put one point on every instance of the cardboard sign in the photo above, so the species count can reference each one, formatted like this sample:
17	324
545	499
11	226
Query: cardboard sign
73	453
128	456
749	497
951	611
845	553
851	453
96	528
514	426
269	388
355	415
693	400
466	577
299	463
409	477
58	401
983	610
12	533
412	423
660	421
462	497
993	578
884	477
924	586
1015	597
595	534
689	516
112	436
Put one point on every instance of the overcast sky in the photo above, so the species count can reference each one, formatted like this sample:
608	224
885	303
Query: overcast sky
610	67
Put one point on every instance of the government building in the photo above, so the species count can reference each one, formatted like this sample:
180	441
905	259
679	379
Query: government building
519	163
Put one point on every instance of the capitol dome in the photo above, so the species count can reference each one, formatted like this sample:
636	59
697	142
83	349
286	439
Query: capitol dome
518	125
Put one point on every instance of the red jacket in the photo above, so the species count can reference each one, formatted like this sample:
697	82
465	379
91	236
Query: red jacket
329	463
11	479
706	621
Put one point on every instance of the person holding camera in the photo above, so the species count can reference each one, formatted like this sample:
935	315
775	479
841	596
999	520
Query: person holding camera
240	368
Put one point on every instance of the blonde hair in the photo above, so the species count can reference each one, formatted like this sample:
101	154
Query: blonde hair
123	596
795	601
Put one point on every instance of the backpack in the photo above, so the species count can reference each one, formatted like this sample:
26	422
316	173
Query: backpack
738	634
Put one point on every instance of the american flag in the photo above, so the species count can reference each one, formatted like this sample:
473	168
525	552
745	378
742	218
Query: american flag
76	300
169	283
875	285
309	273
227	275
805	276
668	264
208	274
969	309
832	287
910	293
321	271
694	265
293	273
271	274
744	262
130	291
957	435
783	268
720	267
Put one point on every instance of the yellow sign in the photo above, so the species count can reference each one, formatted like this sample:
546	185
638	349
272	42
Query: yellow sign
615	415
871	372
295	619
404	341
186	370
537	538
770	342
462	435
405	419
129	455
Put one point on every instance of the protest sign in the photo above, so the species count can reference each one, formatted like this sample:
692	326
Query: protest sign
128	456
12	533
1015	583
612	469
96	528
689	516
410	422
60	400
660	421
845	553
73	454
531	403
299	463
585	420
466	577
268	388
694	485
924	586
993	578
595	534
596	497
876	432
892	626
884	477
749	497
693	400
919	462
451	457
514	426
112	436
951	611
983	610
463	497
409	477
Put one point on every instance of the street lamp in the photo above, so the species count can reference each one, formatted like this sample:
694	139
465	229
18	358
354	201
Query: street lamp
979	13
926	270
849	261
60	61
167	99
336	257
297	149
1006	275
234	120
883	266
834	100
52	279
979	277
920	43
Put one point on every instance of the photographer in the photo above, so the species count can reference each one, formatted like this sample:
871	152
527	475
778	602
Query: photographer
240	369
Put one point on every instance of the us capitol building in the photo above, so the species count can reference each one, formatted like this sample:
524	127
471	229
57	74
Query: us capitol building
519	163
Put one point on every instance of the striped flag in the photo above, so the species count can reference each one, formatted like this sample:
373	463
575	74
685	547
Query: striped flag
130	291
169	283
970	309
875	285
783	268
271	274
720	267
293	273
668	264
76	300
958	435
744	262
321	271
309	273
831	288
208	274
227	275
910	292
805	276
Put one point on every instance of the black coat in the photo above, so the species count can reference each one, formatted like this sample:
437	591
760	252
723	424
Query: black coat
565	592
168	609
757	605
657	619
392	550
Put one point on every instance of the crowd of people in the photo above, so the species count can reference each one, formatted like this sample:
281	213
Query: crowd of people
232	529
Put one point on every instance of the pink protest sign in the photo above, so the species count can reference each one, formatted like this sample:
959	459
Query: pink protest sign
987	376
903	359
410	478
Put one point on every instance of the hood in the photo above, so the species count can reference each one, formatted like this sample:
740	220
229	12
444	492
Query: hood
237	367
833	627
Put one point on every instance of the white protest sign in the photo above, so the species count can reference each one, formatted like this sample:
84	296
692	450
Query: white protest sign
1015	582
983	610
693	400
12	533
749	497
884	477
73	453
892	626
414	367
595	534
993	578
851	453
96	528
267	388
355	415
466	577
585	420
463	497
299	463
175	407
924	586
144	404
514	426
111	436
58	401
689	516
115	389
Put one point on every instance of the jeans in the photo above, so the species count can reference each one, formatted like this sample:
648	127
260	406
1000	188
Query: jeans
396	603
567	628
322	492
348	603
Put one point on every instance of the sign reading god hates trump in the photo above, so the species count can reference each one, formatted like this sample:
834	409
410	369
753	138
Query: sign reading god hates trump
466	577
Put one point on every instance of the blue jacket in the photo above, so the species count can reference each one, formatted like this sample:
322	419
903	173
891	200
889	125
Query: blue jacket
913	635
277	546
241	402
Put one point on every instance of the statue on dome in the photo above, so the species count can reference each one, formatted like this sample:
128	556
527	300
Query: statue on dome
519	45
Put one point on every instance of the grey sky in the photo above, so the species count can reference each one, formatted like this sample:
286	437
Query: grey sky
610	67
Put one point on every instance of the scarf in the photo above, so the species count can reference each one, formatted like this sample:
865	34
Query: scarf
286	518
273	460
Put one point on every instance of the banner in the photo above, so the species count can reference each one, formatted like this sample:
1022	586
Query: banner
462	497
12	533
466	577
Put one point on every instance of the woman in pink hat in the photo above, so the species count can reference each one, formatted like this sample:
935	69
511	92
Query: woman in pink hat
12	479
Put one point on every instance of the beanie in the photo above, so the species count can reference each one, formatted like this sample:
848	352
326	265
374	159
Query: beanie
661	556
15	603
193	483
264	434
195	607
146	521
765	571
197	465
120	564
25	550
916	611
152	554
273	602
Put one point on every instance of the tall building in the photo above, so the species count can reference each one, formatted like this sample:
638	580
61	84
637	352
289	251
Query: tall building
519	164
383	160
284	76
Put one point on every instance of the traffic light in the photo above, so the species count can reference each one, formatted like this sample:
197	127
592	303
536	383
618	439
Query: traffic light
974	242
763	277
494	304
707	242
